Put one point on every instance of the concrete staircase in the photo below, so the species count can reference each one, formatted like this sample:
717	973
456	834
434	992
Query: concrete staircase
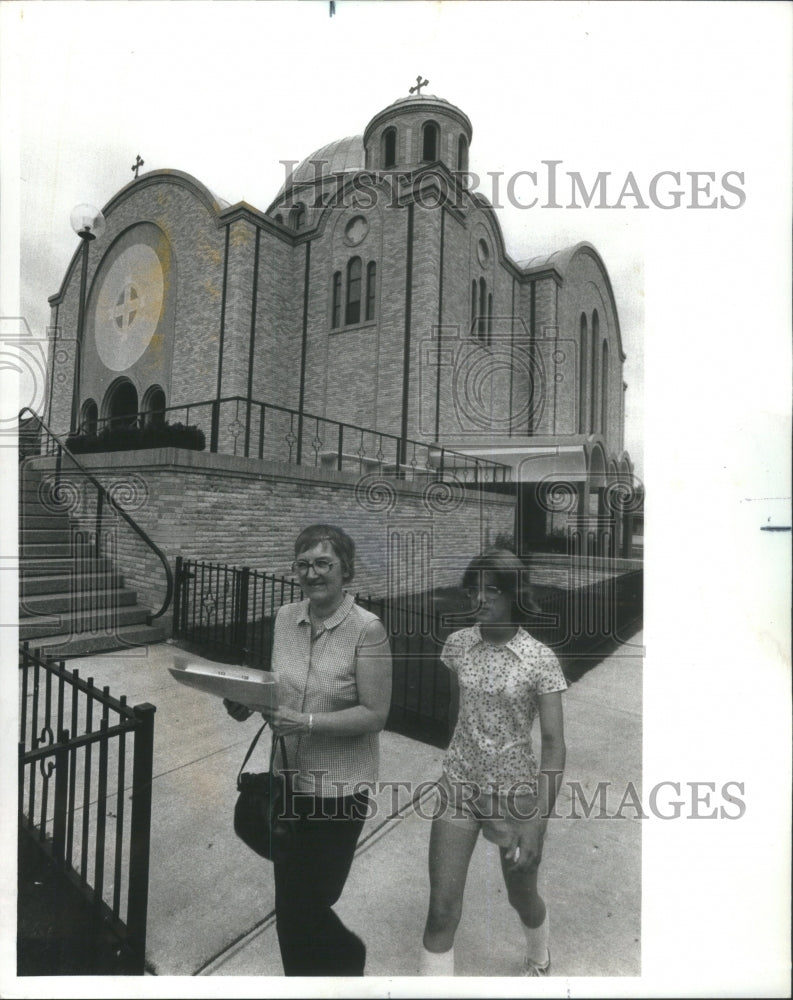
70	602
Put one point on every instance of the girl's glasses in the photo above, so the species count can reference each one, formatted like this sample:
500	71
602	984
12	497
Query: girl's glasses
489	592
320	566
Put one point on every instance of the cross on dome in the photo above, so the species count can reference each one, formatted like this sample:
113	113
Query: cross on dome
419	84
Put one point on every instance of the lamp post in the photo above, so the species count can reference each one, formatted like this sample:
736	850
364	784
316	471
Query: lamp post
88	222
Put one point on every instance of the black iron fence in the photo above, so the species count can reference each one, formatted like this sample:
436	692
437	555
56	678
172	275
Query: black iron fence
249	428
228	612
78	801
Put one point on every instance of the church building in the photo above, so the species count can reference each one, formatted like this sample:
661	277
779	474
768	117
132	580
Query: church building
368	321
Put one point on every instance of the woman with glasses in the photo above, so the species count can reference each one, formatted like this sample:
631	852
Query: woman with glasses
491	779
333	664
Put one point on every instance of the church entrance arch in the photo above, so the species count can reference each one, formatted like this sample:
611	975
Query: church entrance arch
121	404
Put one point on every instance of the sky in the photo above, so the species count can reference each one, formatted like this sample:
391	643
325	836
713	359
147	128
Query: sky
225	91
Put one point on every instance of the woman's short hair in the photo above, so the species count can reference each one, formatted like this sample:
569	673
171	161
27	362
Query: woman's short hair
339	540
508	573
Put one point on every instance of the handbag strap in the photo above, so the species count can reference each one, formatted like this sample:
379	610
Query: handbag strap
251	748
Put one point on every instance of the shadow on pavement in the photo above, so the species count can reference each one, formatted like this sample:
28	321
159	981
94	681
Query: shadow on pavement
58	933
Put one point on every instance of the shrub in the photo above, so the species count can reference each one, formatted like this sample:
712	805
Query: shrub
132	438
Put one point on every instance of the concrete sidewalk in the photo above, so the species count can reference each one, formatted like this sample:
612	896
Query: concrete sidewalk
211	898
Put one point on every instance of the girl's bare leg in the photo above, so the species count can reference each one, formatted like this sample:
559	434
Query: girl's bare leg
451	847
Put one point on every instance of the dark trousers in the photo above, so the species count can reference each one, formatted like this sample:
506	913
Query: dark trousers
311	865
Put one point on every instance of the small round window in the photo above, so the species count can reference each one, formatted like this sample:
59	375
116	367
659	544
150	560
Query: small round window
355	231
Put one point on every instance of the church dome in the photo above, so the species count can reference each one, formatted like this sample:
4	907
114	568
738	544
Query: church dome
338	157
412	131
417	130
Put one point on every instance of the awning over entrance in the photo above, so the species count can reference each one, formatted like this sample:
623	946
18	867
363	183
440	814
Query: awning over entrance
540	459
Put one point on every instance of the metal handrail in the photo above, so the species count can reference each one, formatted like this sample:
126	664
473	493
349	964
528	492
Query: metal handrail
141	415
107	498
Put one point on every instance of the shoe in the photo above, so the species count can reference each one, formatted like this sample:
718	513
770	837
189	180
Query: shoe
532	968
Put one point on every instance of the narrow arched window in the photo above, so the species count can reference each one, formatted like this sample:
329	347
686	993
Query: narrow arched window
154	407
490	318
593	382
429	141
299	215
89	417
604	387
462	153
279	217
352	312
583	348
389	148
371	288
482	324
336	310
474	297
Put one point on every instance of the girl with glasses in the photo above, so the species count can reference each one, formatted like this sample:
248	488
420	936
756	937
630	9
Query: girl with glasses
333	664
492	781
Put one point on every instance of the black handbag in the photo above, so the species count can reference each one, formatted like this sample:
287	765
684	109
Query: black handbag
261	801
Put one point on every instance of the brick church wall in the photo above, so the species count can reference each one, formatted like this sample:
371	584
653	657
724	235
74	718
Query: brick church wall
224	509
585	290
197	248
279	310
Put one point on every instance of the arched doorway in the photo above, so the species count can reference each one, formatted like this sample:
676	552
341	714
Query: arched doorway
121	404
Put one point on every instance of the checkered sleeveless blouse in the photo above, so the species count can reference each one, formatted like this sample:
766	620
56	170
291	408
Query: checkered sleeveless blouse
319	676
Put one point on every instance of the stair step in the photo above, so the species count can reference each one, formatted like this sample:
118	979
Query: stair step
41	565
39	550
72	603
45	519
81	622
101	600
55	535
125	637
60	583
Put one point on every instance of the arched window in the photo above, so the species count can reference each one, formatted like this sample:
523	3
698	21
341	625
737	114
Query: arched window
430	134
299	215
89	417
583	348
462	153
154	407
352	313
389	148
279	217
474	297
604	387
593	382
371	288
482	324
121	404
336	314
490	318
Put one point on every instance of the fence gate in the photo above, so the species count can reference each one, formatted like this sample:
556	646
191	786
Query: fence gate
85	774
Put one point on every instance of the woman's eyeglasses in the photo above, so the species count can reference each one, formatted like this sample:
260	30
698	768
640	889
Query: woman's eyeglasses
489	592
320	566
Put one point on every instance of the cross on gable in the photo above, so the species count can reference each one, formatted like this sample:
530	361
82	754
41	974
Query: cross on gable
137	165
419	84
